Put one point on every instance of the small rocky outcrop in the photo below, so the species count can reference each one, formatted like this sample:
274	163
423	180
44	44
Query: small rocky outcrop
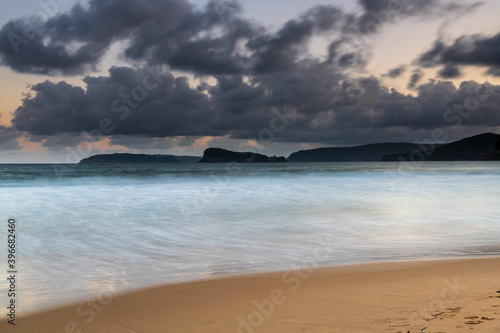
219	155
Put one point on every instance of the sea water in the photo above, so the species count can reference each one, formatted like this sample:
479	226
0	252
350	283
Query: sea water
88	229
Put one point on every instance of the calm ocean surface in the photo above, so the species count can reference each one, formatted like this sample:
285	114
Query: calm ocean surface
84	229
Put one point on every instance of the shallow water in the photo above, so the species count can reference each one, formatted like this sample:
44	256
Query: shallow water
84	229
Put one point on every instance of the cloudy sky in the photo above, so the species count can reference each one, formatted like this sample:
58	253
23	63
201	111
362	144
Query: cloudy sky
177	76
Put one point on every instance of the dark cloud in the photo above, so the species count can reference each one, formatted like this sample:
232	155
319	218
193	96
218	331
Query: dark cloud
352	48
396	72
280	51
449	71
9	138
239	47
262	79
415	78
159	31
475	50
203	42
311	104
73	42
429	58
402	7
140	101
377	13
495	71
59	142
30	54
212	41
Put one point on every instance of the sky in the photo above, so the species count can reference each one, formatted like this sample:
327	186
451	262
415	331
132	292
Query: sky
79	78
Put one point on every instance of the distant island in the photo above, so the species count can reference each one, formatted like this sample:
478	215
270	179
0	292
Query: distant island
138	158
219	155
365	153
187	159
495	156
474	148
485	147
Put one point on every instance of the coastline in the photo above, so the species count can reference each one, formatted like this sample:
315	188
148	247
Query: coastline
445	295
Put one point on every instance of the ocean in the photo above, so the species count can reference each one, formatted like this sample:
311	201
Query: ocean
85	229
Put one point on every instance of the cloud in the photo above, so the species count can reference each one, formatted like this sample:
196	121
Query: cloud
396	72
141	101
74	42
449	71
475	50
56	143
212	41
311	104
203	42
280	51
263	81
32	53
9	138
415	78
377	13
353	45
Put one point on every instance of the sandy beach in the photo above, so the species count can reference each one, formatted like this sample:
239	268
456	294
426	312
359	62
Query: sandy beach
459	295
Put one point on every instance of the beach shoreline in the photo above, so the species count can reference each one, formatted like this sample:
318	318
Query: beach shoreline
446	295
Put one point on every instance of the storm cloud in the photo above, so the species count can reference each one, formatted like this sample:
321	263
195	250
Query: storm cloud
248	79
213	40
475	50
142	102
73	42
319	105
169	32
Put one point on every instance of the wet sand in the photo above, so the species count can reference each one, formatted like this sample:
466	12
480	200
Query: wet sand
460	295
